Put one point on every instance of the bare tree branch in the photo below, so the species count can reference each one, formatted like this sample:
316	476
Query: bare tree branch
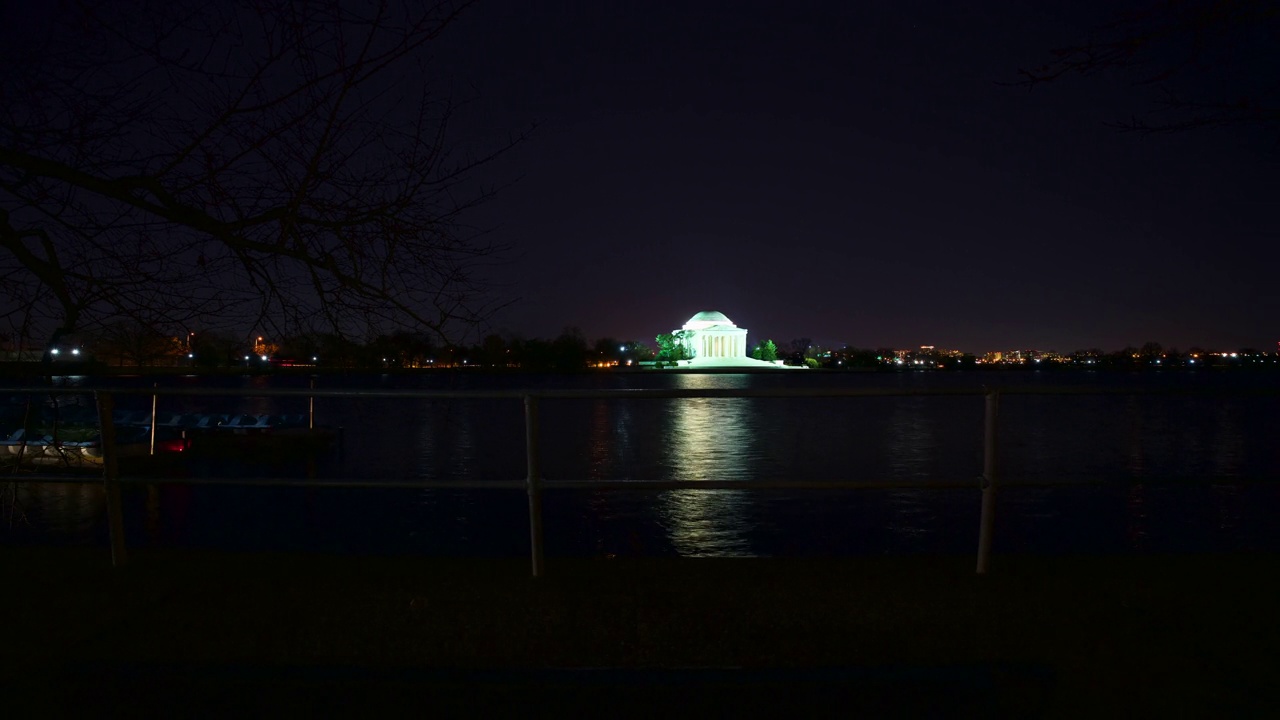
180	160
1163	43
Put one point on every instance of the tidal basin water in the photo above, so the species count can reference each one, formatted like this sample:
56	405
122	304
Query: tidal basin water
1195	472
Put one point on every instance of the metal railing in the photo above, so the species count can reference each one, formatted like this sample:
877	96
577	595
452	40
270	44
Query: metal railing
534	484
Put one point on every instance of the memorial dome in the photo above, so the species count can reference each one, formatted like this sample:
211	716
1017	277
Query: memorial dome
706	319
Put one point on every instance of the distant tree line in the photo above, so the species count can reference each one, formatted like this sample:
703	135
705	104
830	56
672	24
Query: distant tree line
134	344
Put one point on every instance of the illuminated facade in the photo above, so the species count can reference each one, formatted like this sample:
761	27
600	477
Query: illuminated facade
715	336
718	344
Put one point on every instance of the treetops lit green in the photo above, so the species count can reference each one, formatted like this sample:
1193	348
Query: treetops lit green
675	346
766	351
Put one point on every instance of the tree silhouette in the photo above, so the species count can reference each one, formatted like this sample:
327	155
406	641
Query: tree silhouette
280	161
1164	43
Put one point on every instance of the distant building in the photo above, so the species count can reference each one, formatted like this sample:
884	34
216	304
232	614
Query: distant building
717	343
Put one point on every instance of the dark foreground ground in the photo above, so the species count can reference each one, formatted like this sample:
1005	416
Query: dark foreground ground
211	635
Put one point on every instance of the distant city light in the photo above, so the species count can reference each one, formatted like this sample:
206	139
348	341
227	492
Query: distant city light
75	351
264	357
53	351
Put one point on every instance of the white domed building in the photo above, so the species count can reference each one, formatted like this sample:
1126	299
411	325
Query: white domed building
715	336
717	342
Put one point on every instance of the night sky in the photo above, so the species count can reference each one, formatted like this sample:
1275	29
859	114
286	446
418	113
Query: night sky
861	173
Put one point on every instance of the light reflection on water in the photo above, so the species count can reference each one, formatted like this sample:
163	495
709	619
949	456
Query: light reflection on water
1227	444
446	441
709	439
910	440
1136	452
1136	527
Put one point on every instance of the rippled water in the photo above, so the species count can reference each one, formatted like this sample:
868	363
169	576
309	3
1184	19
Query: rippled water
1142	472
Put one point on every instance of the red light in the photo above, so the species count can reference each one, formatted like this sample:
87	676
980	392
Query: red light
175	445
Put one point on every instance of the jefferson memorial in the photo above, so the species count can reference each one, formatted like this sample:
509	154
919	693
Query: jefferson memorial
717	342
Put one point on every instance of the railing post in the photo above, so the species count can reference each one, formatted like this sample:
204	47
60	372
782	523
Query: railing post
153	420
111	479
533	482
989	448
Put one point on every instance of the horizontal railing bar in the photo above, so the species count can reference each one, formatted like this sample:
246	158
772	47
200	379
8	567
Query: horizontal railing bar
372	484
637	393
620	393
749	485
624	485
508	484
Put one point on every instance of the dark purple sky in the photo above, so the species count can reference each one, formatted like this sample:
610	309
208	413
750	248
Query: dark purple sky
856	173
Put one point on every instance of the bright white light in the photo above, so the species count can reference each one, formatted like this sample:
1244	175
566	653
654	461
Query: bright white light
75	351
190	355
1192	360
246	357
264	357
622	348
53	351
314	358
